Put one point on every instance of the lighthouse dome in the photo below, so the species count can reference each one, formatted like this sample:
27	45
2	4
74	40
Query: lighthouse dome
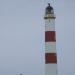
49	9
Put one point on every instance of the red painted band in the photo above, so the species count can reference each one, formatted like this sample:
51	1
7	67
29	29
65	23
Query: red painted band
50	36
50	58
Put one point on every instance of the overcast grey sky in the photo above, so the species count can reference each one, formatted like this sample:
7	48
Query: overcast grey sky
22	36
65	27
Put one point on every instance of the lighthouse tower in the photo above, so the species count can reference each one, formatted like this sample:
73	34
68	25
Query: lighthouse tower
50	42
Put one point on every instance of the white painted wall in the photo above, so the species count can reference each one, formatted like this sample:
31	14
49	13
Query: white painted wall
50	47
49	24
50	69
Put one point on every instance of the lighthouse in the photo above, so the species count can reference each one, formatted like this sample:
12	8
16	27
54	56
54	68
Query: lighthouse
50	42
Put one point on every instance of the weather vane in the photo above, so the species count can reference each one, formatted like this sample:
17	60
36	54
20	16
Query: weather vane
49	4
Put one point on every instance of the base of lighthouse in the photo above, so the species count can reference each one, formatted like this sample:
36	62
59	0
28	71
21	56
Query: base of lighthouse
50	69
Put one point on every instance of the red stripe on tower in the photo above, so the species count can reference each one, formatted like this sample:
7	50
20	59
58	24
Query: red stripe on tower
50	36
50	58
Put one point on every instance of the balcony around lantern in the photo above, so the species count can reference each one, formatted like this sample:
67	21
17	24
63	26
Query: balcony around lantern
49	16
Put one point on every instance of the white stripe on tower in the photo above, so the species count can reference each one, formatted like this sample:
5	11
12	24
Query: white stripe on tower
50	47
50	42
50	26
